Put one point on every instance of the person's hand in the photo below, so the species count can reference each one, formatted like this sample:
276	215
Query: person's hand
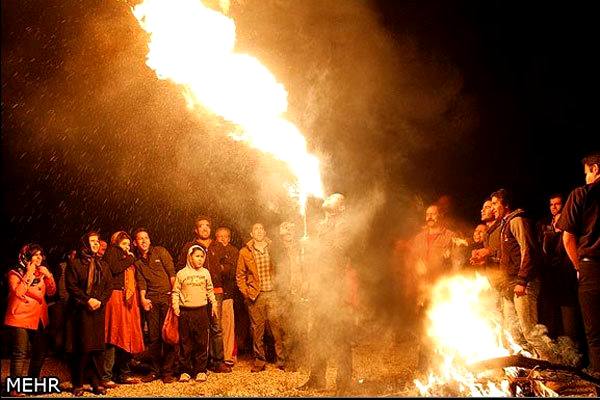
94	304
520	290
176	311
214	311
30	267
146	304
44	271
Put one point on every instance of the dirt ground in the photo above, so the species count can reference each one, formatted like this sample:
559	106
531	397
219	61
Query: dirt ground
383	367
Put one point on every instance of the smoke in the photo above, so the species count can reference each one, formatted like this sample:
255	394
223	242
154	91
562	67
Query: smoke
115	148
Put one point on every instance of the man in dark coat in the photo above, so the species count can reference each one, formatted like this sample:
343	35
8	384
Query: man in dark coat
88	284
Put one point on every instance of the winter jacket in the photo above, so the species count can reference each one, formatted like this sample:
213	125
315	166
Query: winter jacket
26	300
519	253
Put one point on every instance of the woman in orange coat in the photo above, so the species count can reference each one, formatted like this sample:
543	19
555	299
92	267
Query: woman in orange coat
123	326
27	312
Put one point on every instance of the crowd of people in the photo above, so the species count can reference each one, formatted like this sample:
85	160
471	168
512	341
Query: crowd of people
114	297
110	293
546	275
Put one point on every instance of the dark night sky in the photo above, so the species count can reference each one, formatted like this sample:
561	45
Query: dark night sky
529	76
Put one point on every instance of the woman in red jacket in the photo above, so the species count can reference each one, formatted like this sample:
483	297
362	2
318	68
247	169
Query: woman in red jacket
27	312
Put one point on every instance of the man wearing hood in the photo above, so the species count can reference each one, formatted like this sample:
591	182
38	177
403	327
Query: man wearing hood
519	265
255	277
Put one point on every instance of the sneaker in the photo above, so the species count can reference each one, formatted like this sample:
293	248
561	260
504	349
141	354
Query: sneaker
129	380
258	368
201	377
222	368
109	384
149	378
168	379
184	377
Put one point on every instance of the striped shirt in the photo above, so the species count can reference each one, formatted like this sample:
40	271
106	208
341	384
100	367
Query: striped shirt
263	264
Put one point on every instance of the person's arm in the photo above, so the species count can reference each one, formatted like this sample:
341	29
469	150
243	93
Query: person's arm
71	283
240	275
167	261
106	289
176	293
20	285
210	293
49	282
117	260
570	242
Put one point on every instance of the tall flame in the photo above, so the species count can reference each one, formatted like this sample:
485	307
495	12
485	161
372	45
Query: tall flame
194	46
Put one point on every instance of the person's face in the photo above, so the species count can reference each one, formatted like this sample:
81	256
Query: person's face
555	205
478	233
197	258
498	207
432	216
223	236
142	241
94	241
258	232
37	258
202	230
487	214
125	244
592	173
72	254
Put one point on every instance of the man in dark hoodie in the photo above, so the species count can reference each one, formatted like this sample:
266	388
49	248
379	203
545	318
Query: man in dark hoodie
519	264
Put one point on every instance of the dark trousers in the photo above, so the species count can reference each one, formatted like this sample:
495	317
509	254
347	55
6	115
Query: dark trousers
21	338
193	340
87	365
589	300
116	360
163	355
331	339
216	334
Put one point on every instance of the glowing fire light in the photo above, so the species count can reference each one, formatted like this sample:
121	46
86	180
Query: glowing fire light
193	46
464	327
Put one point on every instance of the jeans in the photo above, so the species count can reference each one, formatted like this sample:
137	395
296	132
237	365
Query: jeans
117	360
264	309
216	333
589	299
521	317
21	338
163	355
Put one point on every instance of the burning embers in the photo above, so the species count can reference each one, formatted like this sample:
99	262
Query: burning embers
464	328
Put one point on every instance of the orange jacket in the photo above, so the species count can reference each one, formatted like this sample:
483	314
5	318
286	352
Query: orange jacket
26	299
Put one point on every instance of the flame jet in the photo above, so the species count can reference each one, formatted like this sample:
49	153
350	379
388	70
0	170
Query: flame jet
194	46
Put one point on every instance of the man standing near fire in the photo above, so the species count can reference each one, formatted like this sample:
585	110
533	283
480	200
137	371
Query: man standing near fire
520	264
580	221
333	287
434	252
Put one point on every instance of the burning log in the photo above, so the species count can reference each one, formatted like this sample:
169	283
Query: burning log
521	361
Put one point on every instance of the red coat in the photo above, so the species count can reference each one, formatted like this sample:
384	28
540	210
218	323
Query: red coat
27	303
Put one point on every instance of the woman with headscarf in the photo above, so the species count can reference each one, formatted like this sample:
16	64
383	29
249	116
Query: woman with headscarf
88	283
27	312
123	326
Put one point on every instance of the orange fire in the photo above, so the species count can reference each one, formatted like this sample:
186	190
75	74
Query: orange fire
194	46
465	327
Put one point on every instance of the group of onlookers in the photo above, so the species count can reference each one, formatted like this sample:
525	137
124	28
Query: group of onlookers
110	291
546	275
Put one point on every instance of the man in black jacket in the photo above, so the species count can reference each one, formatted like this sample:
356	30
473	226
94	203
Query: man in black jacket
155	275
580	221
